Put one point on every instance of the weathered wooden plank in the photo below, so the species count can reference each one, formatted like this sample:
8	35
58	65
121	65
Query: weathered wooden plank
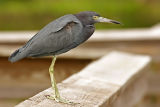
94	50
106	82
99	35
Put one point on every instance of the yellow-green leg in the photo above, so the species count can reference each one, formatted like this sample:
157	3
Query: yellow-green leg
56	96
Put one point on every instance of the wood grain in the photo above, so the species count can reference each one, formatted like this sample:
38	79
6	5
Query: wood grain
109	82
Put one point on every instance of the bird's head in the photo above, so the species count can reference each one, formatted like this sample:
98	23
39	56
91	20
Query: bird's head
89	18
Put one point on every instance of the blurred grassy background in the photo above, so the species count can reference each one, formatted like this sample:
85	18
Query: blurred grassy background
34	14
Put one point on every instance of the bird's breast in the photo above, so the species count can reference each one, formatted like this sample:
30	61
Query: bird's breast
85	34
88	31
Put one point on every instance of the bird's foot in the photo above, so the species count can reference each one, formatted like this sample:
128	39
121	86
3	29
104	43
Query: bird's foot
59	99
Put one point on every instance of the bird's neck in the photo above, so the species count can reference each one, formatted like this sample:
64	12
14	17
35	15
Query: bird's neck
83	20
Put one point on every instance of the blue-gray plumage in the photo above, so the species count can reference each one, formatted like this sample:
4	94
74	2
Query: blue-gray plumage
58	37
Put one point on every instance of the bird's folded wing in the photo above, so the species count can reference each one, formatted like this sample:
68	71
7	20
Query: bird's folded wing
55	37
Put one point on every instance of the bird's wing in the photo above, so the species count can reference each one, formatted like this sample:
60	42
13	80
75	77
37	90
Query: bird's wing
53	26
54	37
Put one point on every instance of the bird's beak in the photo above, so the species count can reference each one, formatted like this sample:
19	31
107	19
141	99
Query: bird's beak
102	19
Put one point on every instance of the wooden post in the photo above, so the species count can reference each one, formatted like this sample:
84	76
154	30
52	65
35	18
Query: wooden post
116	80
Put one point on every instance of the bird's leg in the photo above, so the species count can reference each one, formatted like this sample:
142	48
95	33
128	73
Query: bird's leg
56	96
53	81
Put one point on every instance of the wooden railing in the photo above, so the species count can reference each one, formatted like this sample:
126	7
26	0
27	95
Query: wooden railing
116	80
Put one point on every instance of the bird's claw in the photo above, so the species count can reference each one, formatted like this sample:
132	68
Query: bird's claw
59	99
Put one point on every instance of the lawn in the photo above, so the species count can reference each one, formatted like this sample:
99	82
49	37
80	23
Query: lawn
34	14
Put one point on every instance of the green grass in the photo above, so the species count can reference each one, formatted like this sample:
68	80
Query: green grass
34	14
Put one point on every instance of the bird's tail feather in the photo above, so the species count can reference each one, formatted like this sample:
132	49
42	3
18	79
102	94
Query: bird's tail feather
15	56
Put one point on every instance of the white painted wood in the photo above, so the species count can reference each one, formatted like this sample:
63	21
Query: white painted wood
116	80
99	35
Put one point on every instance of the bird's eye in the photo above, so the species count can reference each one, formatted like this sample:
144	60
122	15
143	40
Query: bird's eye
95	17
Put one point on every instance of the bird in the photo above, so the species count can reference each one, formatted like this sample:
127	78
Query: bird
58	37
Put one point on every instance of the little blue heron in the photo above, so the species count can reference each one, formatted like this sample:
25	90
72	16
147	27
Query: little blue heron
60	36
